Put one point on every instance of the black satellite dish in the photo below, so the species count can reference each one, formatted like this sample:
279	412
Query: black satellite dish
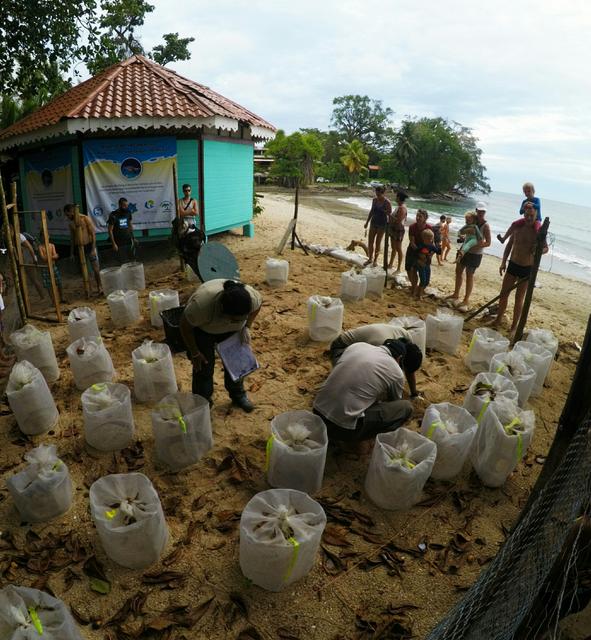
217	261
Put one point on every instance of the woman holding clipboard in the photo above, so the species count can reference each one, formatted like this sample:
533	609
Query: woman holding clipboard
221	310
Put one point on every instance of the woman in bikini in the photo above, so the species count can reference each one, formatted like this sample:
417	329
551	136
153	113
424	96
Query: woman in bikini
380	211
396	229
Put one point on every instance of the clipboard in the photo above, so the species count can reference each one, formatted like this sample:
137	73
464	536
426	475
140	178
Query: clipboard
238	358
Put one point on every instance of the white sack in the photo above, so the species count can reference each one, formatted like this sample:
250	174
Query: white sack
132	276
452	429
30	399
513	366
416	328
111	279
539	359
90	362
501	442
108	417
487	388
161	301
124	307
129	519
484	345
30	614
276	272
353	286
375	278
280	532
37	348
82	323
444	331
153	371
296	451
325	318
182	430
43	490
401	463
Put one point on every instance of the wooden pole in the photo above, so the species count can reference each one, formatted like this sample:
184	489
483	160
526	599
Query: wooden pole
11	256
81	254
492	301
386	243
52	282
540	244
19	252
295	213
178	215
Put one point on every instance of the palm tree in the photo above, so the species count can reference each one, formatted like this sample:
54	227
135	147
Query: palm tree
355	160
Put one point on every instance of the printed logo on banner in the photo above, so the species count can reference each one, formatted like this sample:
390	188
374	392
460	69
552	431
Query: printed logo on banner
131	168
138	169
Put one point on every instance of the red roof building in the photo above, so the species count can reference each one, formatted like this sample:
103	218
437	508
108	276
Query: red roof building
130	119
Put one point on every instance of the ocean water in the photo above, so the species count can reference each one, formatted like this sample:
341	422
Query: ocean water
569	234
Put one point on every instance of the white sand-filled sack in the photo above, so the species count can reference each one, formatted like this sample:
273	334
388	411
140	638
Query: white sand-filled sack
276	272
545	338
30	399
90	362
43	489
501	441
486	389
190	275
153	371
108	417
416	328
37	348
325	318
280	532
376	279
28	614
132	276
484	345
161	301
539	359
111	279
296	451
401	463
353	286
512	365
124	307
182	430
129	519
444	331
452	429
82	323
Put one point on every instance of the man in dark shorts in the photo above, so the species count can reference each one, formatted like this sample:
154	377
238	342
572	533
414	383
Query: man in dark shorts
521	248
120	229
471	261
86	237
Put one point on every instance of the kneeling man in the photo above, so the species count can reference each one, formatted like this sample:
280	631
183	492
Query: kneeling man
362	395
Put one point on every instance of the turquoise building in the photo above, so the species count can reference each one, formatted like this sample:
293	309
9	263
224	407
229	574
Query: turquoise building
139	131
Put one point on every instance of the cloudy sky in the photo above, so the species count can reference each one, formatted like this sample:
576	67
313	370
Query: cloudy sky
515	71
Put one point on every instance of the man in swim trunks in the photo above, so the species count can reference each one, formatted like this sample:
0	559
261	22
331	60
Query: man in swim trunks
87	239
521	248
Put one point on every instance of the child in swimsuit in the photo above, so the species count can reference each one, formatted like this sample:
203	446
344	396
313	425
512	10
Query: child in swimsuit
426	249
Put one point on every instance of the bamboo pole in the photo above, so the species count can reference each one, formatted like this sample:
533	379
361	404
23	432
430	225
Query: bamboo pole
11	257
295	213
540	244
52	282
81	254
19	252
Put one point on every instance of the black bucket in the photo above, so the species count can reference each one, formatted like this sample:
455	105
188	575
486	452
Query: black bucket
171	319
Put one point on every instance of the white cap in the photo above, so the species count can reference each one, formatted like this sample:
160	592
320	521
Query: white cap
480	206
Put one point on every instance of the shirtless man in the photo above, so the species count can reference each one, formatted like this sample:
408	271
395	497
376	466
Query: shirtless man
87	240
521	247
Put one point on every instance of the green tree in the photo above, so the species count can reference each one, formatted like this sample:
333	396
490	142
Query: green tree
295	157
354	160
358	117
433	155
45	41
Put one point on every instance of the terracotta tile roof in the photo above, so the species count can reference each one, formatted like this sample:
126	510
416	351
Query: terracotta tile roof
136	87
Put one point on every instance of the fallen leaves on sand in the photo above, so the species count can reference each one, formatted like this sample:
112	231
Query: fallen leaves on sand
98	581
166	579
335	536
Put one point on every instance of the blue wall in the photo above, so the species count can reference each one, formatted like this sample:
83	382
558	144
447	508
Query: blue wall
228	184
187	166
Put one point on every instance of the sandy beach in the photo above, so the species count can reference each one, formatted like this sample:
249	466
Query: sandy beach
375	566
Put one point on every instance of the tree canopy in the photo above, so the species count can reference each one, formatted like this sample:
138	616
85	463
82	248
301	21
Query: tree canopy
44	42
354	160
357	117
295	156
